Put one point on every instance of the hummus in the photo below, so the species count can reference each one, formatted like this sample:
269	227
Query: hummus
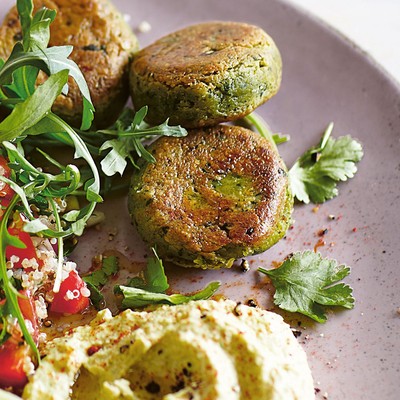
200	350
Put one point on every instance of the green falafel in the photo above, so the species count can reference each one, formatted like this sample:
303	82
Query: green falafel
216	195
206	74
103	46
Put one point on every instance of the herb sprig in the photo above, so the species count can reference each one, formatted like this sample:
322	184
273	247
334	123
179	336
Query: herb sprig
307	283
315	174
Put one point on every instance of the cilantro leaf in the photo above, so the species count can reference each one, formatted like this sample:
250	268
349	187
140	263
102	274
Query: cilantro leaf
154	275
306	282
98	278
153	278
315	174
150	287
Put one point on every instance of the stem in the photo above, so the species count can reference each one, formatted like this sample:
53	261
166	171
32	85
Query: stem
262	127
81	149
60	242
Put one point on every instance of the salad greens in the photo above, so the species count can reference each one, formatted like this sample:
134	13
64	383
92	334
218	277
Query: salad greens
306	283
29	122
150	288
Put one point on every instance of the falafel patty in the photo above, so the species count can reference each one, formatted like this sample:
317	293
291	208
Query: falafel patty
206	74
214	196
103	46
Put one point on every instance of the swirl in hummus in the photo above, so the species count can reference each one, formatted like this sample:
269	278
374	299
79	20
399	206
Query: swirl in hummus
200	350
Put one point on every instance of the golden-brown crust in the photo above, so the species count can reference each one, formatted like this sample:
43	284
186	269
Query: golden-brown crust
103	45
199	52
205	74
219	188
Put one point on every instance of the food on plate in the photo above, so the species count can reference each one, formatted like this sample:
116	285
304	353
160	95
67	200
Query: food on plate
200	350
205	74
214	196
33	271
103	46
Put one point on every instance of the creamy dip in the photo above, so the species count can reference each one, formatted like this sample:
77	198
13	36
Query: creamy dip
200	350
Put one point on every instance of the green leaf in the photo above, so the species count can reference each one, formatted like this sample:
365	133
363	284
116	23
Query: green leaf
134	297
35	226
154	275
51	60
306	282
315	174
127	133
25	9
153	278
99	278
115	160
23	82
96	296
39	32
25	115
19	59
110	265
149	288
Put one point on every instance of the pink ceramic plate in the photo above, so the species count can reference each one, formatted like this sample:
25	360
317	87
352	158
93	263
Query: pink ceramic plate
355	355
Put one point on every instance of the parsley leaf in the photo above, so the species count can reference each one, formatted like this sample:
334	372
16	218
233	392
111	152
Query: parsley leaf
305	283
151	286
98	278
315	174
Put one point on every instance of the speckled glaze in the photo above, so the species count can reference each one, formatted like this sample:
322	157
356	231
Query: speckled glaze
356	354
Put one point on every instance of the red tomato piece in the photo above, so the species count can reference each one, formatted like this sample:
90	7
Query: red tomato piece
12	360
28	252
69	299
27	307
14	355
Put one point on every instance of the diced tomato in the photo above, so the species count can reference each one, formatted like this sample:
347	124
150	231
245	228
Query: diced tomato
69	299
28	252
27	307
12	359
14	353
6	193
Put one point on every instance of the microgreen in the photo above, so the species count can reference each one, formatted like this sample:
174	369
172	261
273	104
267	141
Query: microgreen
306	283
315	174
